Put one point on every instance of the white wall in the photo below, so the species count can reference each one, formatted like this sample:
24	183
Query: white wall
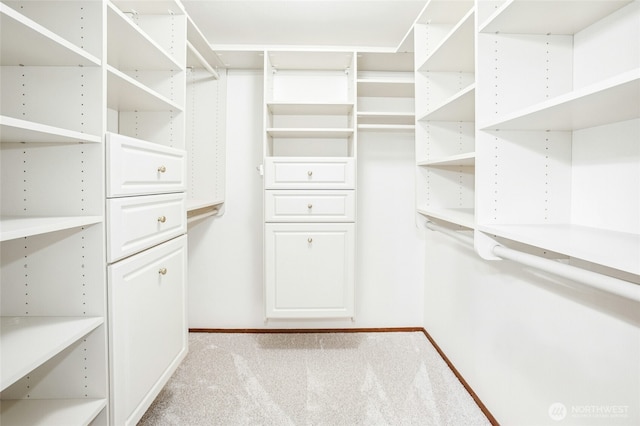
225	253
524	341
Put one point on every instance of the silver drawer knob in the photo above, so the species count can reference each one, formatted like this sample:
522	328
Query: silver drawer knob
309	173
162	169
162	271
309	206
162	219
309	240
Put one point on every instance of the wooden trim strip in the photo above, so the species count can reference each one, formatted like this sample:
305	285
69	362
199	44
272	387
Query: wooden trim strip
453	369
464	383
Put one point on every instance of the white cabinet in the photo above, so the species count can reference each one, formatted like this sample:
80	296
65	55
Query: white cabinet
309	270
310	153
146	179
53	333
147	317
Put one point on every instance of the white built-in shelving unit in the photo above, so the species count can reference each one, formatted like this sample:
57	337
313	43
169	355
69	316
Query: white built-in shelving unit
385	91
53	329
445	83
558	118
310	151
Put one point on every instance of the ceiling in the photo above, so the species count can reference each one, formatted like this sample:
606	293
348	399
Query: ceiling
239	29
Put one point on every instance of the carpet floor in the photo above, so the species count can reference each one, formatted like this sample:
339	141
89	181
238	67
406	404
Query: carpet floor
313	379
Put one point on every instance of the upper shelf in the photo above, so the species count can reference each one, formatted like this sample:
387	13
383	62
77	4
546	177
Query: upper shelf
466	159
612	100
456	51
291	132
386	86
542	17
459	107
199	52
25	42
155	7
16	130
459	216
444	11
127	94
131	48
284	60
305	108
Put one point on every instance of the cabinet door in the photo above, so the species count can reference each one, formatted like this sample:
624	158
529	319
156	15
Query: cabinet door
309	269
148	326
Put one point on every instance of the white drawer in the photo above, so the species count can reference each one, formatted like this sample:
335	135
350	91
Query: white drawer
148	326
137	223
306	173
136	167
310	206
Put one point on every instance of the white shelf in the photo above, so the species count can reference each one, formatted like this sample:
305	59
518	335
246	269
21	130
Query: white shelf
456	51
12	227
146	7
199	52
305	108
459	216
387	127
16	130
45	412
127	94
308	60
386	87
131	48
536	17
617	250
195	59
444	11
309	132
37	45
459	107
609	101
466	159
28	342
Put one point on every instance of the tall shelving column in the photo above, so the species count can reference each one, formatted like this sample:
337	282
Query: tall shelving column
558	129
53	334
310	149
205	127
146	200
445	111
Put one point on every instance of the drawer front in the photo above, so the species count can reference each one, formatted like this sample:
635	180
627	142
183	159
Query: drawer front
148	324
301	173
309	206
137	223
136	167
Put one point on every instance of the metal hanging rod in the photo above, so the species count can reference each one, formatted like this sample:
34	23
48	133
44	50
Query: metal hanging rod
592	279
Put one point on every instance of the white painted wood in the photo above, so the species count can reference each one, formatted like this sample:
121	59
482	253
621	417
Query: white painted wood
309	173
14	227
137	223
28	342
309	132
533	17
459	107
458	216
148	330
37	44
45	412
317	108
16	130
466	159
126	93
309	206
456	51
136	167
298	281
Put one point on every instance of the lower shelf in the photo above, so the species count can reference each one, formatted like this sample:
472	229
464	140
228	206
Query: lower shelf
28	342
51	411
617	250
459	216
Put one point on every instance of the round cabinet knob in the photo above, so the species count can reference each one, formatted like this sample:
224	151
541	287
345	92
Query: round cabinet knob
162	169
309	206
309	173
309	240
162	271
162	219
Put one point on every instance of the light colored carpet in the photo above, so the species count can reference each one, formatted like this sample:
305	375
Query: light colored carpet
393	378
